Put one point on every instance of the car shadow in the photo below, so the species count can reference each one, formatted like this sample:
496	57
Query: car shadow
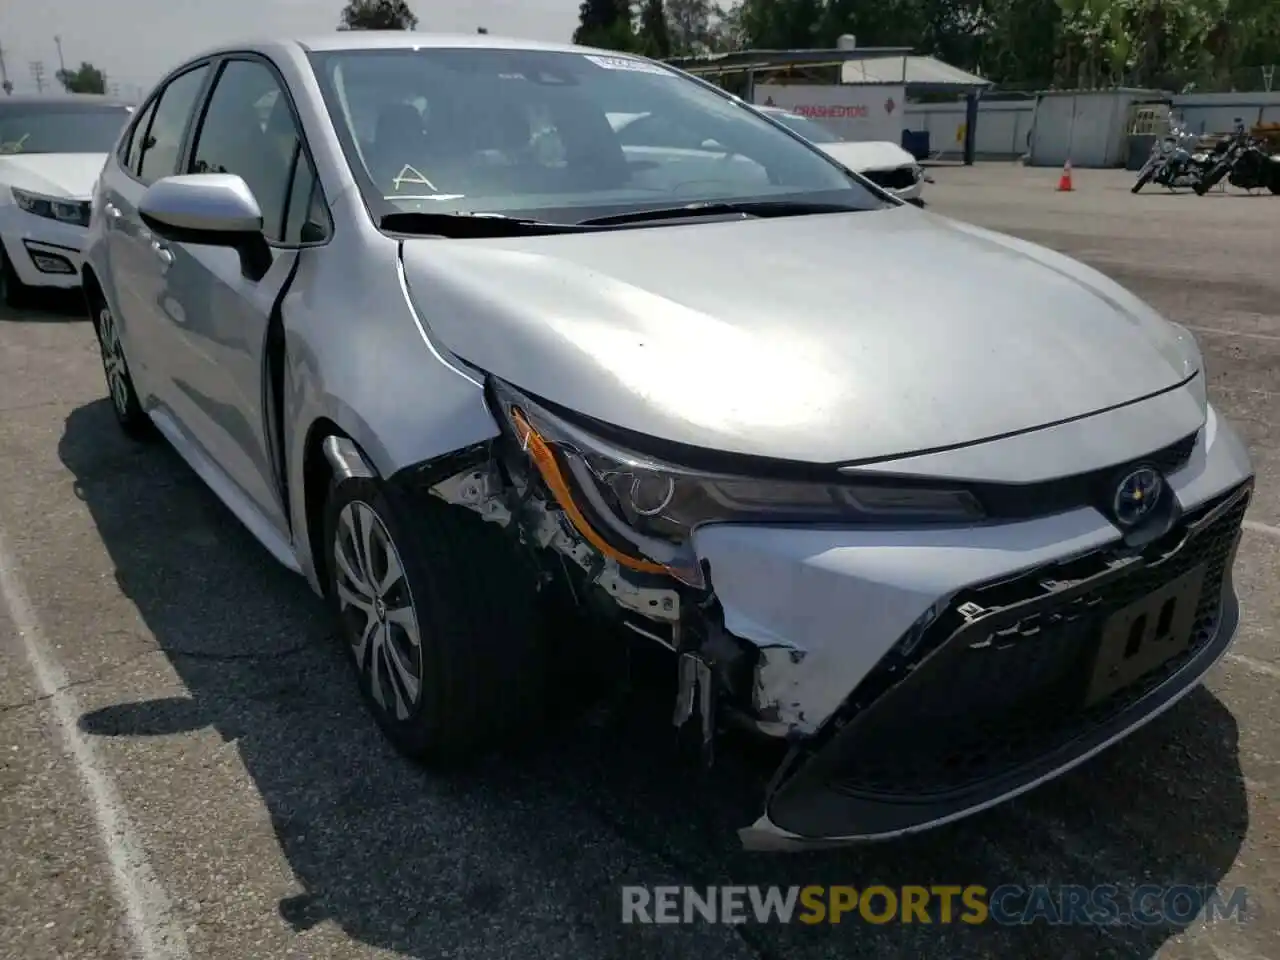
47	306
425	864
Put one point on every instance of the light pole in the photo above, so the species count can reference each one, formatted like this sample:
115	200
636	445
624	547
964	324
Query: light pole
62	65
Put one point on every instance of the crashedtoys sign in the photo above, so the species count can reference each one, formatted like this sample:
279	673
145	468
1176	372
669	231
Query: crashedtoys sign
854	111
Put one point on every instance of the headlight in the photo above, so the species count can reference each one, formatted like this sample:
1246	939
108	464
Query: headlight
642	511
53	208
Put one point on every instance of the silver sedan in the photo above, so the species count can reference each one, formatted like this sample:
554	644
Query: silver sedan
941	512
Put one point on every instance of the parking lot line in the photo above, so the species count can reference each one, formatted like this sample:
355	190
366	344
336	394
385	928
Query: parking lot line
146	905
1262	528
1232	333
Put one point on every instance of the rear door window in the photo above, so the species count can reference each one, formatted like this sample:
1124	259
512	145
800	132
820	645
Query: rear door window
162	148
132	151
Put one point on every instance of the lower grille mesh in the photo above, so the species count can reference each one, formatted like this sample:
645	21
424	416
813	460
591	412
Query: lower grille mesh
1013	696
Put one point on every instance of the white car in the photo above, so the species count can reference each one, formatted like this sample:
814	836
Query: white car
52	149
882	162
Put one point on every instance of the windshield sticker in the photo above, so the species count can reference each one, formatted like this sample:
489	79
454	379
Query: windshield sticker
628	63
409	175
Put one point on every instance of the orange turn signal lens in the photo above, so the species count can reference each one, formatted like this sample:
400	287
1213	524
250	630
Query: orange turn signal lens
545	461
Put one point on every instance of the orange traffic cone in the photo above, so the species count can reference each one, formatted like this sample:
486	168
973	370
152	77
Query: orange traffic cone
1064	181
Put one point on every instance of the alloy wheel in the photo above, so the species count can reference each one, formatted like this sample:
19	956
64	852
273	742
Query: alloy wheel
377	607
113	361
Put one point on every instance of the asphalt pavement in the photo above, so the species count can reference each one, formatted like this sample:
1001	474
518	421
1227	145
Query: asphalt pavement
186	770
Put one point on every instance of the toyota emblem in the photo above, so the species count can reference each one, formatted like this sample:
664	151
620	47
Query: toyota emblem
1136	496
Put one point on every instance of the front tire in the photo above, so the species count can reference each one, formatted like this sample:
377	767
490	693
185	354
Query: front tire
1143	178
13	291
124	398
440	617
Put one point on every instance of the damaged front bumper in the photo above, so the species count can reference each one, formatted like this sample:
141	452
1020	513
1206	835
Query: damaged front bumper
919	674
1002	703
927	677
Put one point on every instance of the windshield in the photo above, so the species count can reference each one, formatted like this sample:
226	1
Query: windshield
60	128
811	130
557	136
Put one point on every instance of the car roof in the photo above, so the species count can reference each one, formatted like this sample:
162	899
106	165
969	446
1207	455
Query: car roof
392	40
412	39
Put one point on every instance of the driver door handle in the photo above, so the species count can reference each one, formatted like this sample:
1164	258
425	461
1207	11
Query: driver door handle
163	253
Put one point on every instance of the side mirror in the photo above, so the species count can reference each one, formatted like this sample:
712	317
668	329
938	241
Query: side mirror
212	209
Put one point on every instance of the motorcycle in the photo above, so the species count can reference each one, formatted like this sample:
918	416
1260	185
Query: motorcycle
1173	164
1245	165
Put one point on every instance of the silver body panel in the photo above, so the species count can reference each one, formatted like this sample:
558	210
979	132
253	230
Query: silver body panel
195	333
820	339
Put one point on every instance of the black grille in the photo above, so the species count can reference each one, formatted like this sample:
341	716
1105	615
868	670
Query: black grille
899	179
1004	698
1019	501
1175	456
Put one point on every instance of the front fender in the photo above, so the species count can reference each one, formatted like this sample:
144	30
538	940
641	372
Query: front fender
360	356
359	362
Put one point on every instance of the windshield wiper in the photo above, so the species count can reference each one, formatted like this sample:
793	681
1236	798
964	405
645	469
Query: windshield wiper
479	225
720	208
466	225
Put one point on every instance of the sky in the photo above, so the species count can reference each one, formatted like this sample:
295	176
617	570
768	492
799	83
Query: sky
137	41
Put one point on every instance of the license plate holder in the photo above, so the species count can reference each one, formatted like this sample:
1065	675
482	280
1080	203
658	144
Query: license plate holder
1140	637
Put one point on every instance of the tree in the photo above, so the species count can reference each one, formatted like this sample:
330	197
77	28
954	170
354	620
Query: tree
786	24
726	31
1030	44
692	25
378	15
87	79
653	38
605	23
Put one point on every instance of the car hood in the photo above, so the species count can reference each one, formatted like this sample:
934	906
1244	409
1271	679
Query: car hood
827	338
868	154
53	174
